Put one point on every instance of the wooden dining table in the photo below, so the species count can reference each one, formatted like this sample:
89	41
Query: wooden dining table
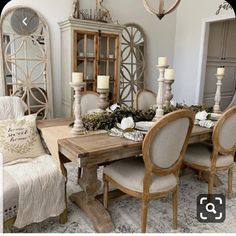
91	151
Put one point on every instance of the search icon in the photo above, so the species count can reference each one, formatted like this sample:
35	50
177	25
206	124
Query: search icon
210	207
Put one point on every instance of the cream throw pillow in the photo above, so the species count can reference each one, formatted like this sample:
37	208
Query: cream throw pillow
19	139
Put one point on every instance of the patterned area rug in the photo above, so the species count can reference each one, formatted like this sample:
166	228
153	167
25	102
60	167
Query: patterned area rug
125	213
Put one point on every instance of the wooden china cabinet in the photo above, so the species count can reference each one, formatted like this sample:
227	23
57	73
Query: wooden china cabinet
93	48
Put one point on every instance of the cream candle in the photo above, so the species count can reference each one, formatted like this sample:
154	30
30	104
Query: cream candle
169	74
221	71
162	61
103	82
77	77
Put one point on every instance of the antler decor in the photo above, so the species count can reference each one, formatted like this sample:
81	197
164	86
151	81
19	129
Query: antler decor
160	13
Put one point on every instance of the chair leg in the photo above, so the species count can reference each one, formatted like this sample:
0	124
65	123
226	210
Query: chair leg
105	193
210	182
144	216
230	183
175	208
63	218
79	173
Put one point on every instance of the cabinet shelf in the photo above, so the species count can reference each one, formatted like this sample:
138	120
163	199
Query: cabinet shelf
107	59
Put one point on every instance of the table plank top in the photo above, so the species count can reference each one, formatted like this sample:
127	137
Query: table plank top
94	145
102	147
105	147
54	122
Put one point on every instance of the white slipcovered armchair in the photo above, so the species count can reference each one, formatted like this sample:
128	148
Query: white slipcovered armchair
12	108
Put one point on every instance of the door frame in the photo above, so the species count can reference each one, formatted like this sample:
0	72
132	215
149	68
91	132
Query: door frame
203	52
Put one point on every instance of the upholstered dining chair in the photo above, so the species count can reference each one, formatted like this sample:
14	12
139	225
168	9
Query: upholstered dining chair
156	173
144	99
89	102
219	156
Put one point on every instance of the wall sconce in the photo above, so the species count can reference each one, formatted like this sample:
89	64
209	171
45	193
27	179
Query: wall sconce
160	13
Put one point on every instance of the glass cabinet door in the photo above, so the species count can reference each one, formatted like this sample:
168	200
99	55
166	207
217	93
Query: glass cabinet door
108	61
86	58
97	54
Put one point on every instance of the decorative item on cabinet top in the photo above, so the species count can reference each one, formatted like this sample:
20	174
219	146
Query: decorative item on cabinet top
99	14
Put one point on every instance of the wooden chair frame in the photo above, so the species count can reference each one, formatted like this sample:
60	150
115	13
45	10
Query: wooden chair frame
218	149
136	105
152	169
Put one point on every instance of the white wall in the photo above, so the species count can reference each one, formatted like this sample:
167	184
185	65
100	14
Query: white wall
189	26
160	34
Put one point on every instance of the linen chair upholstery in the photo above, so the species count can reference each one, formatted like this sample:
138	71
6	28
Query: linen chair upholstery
156	174
144	99
221	156
200	154
227	133
164	155
134	179
89	102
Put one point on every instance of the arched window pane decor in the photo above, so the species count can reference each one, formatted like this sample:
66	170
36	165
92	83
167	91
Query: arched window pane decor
132	63
25	51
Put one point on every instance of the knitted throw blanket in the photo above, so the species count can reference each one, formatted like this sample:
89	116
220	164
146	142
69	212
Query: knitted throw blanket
41	189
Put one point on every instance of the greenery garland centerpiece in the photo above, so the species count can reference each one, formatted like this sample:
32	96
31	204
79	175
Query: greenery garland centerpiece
114	115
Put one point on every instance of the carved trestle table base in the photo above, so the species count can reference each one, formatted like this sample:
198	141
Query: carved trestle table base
89	152
86	200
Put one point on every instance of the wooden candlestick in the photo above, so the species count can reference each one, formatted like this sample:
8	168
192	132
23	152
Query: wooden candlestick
160	94
78	127
168	94
103	99
216	108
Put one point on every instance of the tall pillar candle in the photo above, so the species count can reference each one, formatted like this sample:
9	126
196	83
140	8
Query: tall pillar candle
220	71
103	82
162	61
77	77
169	74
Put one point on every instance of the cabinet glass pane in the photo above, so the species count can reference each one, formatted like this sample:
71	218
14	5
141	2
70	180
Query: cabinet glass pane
102	68
90	46
112	69
89	72
112	44
103	47
80	66
80	45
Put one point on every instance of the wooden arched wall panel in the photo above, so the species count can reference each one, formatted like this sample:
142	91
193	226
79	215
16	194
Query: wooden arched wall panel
25	53
132	78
